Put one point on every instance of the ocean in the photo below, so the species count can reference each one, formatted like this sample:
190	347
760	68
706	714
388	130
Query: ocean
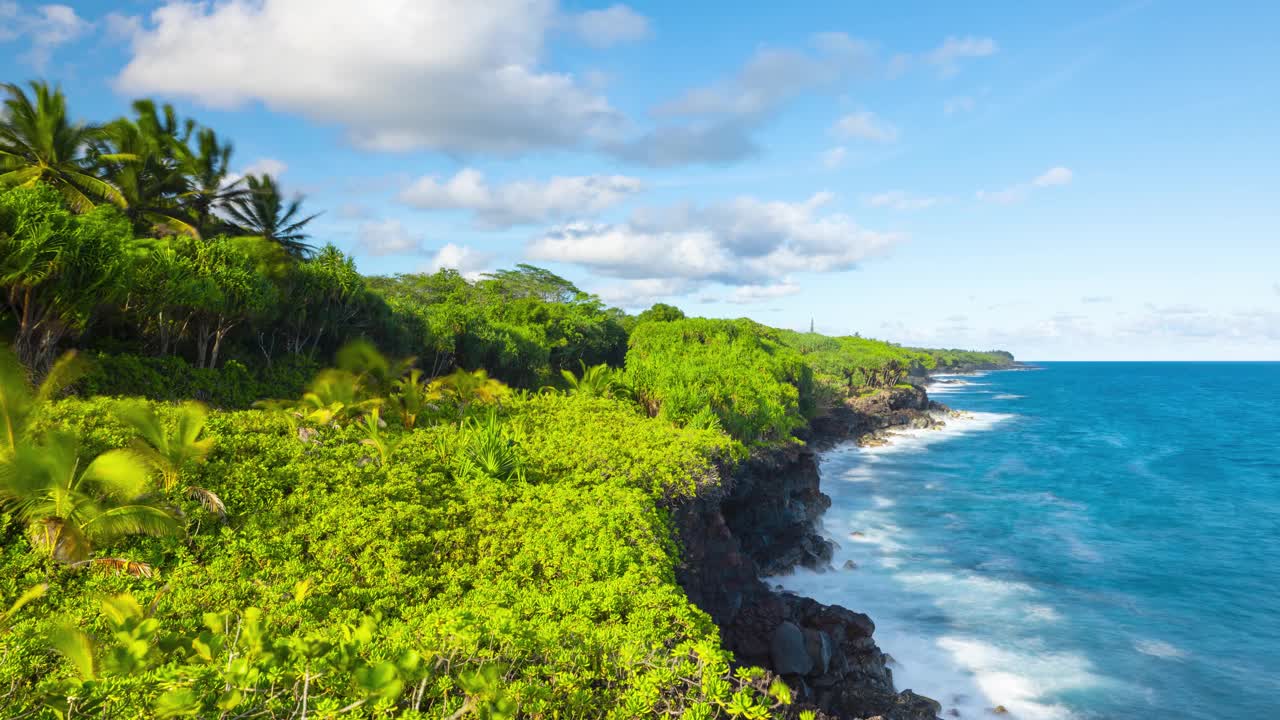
1093	540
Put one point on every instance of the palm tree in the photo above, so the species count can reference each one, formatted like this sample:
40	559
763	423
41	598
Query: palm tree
19	401
596	381
172	450
69	510
207	169
466	388
262	211
411	398
39	143
150	179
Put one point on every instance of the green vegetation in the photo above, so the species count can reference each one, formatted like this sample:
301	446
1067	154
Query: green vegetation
198	518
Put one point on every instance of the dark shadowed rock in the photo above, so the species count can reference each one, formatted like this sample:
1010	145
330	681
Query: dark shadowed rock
762	521
788	652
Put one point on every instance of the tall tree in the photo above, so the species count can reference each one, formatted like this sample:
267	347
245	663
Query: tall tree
57	269
40	143
263	211
149	179
207	168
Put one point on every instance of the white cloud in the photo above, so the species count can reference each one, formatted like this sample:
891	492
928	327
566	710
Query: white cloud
748	294
47	27
743	242
611	26
715	123
947	56
864	125
643	293
266	166
470	263
387	237
900	200
1053	177
522	202
397	76
834	157
960	104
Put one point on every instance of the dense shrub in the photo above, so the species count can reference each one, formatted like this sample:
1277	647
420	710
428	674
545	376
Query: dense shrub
234	385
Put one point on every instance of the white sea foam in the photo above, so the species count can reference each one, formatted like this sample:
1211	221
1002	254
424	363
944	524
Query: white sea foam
1008	396
968	638
1159	649
915	439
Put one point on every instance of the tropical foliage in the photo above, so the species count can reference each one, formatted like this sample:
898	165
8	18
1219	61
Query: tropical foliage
467	515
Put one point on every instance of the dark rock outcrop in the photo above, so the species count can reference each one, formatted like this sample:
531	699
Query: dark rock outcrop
763	522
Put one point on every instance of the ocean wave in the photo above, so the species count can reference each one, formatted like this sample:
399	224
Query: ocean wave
907	440
1008	396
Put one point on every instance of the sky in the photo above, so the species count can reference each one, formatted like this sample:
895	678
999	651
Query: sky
1067	181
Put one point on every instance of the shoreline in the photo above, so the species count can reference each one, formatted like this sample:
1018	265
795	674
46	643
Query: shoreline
766	522
940	667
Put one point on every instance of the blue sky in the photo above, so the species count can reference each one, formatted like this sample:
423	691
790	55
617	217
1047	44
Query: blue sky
1089	180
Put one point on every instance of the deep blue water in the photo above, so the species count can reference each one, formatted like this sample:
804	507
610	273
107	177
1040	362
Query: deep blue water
1098	540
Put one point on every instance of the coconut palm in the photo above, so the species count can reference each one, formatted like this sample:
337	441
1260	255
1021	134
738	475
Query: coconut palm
411	398
150	179
262	211
20	402
70	509
467	388
40	143
595	381
207	168
171	450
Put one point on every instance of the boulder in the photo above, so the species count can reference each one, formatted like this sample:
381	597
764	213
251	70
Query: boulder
788	651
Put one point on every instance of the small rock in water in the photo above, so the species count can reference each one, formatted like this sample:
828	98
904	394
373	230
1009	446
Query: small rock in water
1000	710
856	534
850	565
953	712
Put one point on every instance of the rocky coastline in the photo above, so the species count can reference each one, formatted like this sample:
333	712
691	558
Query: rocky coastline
763	521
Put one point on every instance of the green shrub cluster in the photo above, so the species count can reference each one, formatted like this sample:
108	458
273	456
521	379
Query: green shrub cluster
424	582
731	374
234	385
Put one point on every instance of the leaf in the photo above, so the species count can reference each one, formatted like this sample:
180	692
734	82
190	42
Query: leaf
177	702
33	593
210	501
121	608
77	648
121	473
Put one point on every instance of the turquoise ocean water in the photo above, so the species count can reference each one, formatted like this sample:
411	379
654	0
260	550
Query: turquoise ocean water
1095	540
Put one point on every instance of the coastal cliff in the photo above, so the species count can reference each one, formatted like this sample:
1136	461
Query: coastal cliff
763	522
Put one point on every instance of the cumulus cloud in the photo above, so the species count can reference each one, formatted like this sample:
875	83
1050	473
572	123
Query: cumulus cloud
266	166
744	242
900	200
644	292
864	125
387	237
469	262
715	123
397	76
1194	323
834	157
46	28
1053	177
521	202
611	26
748	294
